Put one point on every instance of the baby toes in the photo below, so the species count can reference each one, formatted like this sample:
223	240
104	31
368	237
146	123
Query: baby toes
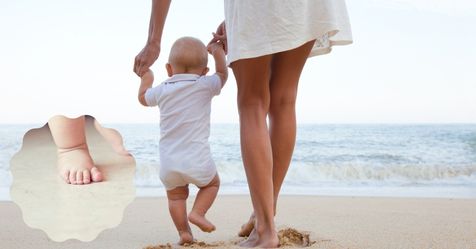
72	177
65	176
96	175
86	177
79	177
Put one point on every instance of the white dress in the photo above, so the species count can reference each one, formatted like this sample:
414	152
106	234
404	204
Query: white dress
259	27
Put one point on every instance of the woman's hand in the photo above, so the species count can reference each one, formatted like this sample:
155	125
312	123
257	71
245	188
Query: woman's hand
220	35
147	56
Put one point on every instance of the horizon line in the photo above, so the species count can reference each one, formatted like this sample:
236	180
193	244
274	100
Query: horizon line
299	123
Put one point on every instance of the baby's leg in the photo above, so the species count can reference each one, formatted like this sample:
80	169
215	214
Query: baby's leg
74	161
204	200
178	210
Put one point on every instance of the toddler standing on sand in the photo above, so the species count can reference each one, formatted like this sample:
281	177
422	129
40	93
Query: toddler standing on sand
184	101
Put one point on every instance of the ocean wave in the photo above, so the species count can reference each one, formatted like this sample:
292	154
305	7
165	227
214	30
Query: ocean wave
233	174
325	155
381	175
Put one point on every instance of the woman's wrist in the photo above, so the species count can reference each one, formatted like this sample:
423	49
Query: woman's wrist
153	43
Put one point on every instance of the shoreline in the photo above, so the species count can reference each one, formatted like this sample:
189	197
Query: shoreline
332	222
424	192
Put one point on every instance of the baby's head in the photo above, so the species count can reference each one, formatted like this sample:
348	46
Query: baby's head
188	55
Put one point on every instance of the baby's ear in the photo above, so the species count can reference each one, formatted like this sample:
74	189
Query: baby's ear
168	67
205	71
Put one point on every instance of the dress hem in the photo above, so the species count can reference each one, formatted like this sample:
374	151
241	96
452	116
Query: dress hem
316	50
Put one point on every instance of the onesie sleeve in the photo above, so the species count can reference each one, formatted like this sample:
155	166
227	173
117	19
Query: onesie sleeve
213	83
152	95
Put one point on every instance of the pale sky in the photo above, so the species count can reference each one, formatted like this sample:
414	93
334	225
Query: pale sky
412	61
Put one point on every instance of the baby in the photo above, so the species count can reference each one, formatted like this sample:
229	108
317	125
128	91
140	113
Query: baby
184	101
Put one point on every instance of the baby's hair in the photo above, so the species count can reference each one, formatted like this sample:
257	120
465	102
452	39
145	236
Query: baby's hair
188	53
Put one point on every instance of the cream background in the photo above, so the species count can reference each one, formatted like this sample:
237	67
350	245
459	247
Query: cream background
65	211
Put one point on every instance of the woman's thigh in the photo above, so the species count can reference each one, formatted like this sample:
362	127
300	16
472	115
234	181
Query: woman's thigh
286	68
269	77
252	79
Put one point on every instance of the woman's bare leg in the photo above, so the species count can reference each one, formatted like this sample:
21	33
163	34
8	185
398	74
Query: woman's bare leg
252	77
286	69
74	161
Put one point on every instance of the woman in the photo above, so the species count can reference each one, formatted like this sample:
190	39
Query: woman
268	43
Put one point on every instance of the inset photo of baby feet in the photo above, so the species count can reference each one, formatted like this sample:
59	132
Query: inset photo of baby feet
72	178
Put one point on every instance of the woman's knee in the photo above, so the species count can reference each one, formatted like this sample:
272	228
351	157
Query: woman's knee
282	102
253	103
252	79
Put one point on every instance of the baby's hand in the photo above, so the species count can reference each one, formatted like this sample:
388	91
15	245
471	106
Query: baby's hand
212	47
148	76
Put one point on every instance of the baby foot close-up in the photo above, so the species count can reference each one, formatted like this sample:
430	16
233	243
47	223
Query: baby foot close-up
77	167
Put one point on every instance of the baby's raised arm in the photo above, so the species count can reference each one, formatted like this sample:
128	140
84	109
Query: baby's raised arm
146	82
217	51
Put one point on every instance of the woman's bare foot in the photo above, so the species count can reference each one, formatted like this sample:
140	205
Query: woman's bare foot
201	222
251	240
185	238
265	240
247	227
76	166
268	240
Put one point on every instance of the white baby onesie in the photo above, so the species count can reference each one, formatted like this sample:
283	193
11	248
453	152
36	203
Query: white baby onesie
184	101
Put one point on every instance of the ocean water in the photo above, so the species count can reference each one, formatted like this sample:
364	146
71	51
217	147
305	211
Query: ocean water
351	160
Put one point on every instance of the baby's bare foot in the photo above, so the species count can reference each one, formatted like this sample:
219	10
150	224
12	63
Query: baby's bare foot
201	222
185	238
76	166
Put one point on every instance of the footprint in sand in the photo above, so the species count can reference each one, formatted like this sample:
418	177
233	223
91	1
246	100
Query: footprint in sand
288	238
294	238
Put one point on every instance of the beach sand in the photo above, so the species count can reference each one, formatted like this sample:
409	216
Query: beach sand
333	222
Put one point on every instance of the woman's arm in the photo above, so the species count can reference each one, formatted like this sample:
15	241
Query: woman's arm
149	54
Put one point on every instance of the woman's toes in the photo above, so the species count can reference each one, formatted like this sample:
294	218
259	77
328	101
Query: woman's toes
86	177
79	177
96	175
